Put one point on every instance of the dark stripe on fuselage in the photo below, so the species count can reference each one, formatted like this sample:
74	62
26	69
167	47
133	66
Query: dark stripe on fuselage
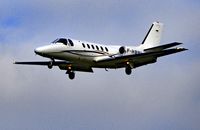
80	52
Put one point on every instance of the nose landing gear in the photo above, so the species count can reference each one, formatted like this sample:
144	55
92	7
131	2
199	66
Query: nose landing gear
50	65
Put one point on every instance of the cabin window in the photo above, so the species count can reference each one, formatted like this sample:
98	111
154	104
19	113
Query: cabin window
106	49
92	47
83	45
71	42
97	47
88	46
102	48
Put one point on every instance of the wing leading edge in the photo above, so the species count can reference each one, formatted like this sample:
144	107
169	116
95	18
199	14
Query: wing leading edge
55	63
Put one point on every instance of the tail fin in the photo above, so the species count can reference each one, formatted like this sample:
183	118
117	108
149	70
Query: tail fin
153	36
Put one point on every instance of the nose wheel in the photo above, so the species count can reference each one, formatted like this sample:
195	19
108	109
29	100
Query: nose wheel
50	65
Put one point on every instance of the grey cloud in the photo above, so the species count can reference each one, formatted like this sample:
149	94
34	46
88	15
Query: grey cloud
154	97
80	19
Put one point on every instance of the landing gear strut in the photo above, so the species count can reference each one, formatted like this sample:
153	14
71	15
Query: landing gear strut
50	65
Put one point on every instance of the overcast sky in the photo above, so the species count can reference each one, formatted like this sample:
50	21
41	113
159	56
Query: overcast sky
165	95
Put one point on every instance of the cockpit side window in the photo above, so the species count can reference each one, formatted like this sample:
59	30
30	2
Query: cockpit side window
61	40
71	42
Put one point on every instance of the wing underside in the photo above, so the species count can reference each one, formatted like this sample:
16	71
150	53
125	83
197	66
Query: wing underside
63	65
139	59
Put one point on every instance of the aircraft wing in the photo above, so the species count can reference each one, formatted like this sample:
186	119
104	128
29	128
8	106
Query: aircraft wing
55	63
139	59
63	65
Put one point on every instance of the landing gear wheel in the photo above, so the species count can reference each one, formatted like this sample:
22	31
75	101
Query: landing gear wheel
128	70
50	65
71	75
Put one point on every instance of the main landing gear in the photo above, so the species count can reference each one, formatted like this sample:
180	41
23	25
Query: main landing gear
128	70
71	74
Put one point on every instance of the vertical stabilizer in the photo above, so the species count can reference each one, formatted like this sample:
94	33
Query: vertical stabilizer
153	36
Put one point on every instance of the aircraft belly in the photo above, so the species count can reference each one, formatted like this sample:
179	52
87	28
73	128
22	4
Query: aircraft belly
111	65
87	60
73	57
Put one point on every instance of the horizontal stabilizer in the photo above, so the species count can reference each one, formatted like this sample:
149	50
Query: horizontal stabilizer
162	47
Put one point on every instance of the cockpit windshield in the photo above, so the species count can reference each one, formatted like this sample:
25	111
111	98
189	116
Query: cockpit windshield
68	42
61	40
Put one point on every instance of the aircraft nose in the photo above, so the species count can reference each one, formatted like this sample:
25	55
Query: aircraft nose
44	50
38	50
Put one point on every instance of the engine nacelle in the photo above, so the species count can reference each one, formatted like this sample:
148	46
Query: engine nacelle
122	50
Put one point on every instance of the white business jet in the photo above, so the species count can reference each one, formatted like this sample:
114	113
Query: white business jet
75	55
